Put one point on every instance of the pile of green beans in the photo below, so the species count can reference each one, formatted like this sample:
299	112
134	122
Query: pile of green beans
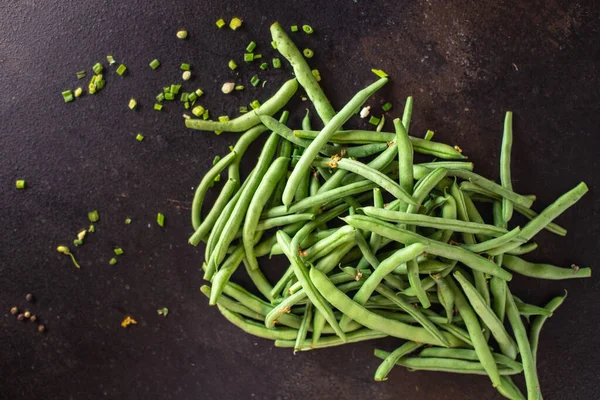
375	244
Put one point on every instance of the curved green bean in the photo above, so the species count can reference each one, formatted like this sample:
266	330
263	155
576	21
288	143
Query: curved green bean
470	355
543	271
538	323
260	280
405	154
232	305
269	223
240	148
331	341
505	175
388	363
495	242
407	113
256	329
303	330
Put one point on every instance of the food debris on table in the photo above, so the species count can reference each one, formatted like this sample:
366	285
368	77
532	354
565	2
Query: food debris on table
128	321
163	311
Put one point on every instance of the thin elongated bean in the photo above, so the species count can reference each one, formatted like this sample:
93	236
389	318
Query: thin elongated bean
303	73
505	176
260	281
543	271
437	248
388	363
407	114
242	144
528	310
202	188
257	329
538	323
330	128
423	169
508	389
368	319
507	345
433	222
523	249
495	242
479	342
428	282
269	223
287	134
363	151
415	282
531	378
424	186
498	295
303	277
249	120
445	295
237	215
302	332
302	191
468	354
263	193
331	341
232	305
206	225
319	322
405	154
306	125
222	276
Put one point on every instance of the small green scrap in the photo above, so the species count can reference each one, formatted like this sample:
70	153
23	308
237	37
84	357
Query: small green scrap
94	216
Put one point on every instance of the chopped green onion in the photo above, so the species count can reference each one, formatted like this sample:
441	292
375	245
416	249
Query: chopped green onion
81	74
192	96
243	109
160	97
316	74
230	148
248	57
184	67
223	118
228	87
251	46
307	29
276	63
67	96
273	44
186	105
78	92
264	66
77	242
216	159
255	104
167	89
186	75
294	28
387	106
380	124
264	83
154	64
198	111
379	73
127	221
93	216
255	80
429	135
112	261
163	311
308	53
257	56
119	251
20	184
232	65
110	59
158	107
81	234
139	137
217	178
186	116
199	92
221	23
121	69
169	96
92	228
132	103
160	219
235	23
239	87
175	89
184	97
182	34
97	68
206	115
374	120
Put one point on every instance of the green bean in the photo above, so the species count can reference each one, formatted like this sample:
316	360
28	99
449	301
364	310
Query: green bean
249	120
543	271
383	269
523	249
479	304
496	242
306	321
302	191
528	310
303	73
448	212
363	151
326	245
409	319
445	295
445	365
479	342
424	186
375	240
202	188
491	186
319	322
457	332
423	169
436	149
415	282
428	282
303	277
406	115
237	215
498	291
470	355
306	125
256	329
232	305
330	341
368	319
474	216
287	134
405	154
538	323
269	223
260	198
473	261
433	222
206	225
388	363
330	127
508	389
260	281
366	251
222	276
314	185
505	176
242	144
531	378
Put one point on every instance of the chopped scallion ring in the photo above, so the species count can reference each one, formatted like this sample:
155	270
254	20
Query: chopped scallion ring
97	68
235	23
182	34
307	29
154	64
255	80
308	53
160	219
221	23
232	65
121	69
139	137
251	46
184	67
132	103
20	184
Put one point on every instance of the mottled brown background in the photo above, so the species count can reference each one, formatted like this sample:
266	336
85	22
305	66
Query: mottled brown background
465	62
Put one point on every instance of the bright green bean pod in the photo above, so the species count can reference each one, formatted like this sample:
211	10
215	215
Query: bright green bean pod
319	322
523	249
528	310
330	128
415	282
543	271
405	155
388	363
505	175
508	389
314	185
303	73
424	186
448	212
445	295
269	223
468	354
260	280
495	242
302	191
306	125
331	341
498	295
232	305
249	120
531	379
204	185
240	148
287	134
222	276
303	331
538	323
406	115
256	329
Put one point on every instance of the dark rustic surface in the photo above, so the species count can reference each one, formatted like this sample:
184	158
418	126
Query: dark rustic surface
465	64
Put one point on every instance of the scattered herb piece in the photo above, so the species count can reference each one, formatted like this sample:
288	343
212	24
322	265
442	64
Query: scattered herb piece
182	34
185	67
235	23
221	23
158	107
379	73
163	311
128	321
110	59
92	228
307	29
154	64
248	57
387	106
264	66
276	63
121	69
374	120
132	103
119	251
251	46
93	216
127	221
65	250
198	111
239	87
78	92
20	184
113	261
160	219
139	137
257	56
308	53
232	65
429	135
67	96
97	68
255	104
81	74
294	28
255	80
316	74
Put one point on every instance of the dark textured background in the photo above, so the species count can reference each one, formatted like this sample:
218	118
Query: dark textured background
465	64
